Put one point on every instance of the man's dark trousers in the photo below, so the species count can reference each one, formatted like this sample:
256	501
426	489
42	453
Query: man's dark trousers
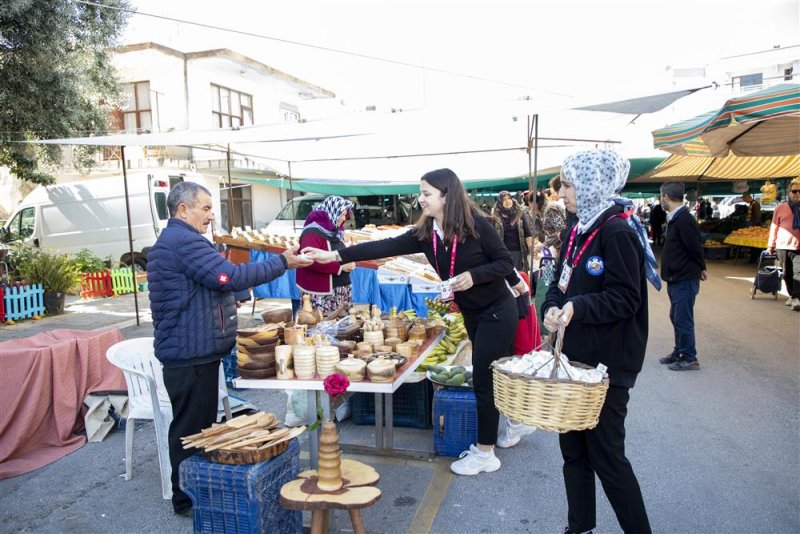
602	451
193	391
681	312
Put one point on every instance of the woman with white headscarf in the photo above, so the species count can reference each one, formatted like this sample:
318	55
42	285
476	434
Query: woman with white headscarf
599	293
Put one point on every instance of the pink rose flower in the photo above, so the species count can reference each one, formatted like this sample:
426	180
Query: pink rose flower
335	384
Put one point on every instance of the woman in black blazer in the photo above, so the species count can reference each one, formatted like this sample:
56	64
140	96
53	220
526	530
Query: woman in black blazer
462	245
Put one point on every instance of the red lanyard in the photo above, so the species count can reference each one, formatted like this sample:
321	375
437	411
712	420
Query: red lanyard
585	243
452	255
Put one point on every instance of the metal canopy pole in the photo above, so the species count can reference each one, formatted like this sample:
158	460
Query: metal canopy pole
130	235
533	178
291	196
231	209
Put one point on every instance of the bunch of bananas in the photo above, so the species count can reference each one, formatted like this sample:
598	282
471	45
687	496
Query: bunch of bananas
410	314
437	306
454	333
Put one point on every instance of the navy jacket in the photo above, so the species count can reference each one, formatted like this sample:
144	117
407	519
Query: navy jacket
192	295
682	258
608	291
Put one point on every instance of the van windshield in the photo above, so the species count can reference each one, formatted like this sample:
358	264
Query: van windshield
302	209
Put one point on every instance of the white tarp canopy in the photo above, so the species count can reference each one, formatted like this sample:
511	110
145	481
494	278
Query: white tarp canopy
480	142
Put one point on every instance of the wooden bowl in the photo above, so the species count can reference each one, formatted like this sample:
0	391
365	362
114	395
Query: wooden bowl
257	366
258	374
258	349
277	315
239	457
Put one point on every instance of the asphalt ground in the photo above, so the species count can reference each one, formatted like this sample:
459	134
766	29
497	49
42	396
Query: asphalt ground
715	450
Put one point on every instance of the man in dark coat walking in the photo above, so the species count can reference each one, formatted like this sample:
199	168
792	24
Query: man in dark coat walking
683	266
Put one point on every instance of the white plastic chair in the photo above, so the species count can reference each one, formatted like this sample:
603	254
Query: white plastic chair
144	378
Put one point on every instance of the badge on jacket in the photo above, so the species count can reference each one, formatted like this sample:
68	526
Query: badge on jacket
595	266
223	279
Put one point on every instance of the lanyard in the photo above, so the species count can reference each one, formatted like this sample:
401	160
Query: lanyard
452	255
585	243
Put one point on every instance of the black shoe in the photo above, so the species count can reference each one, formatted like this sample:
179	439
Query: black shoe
185	511
668	359
568	531
685	365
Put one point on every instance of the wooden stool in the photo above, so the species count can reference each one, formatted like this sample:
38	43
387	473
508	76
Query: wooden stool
357	492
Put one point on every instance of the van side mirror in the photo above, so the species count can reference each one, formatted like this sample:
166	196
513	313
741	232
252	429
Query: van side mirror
4	234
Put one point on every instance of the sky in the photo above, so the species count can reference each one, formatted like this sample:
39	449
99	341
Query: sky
549	51
555	55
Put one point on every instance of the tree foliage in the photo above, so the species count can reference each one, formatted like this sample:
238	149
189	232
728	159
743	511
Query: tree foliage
56	79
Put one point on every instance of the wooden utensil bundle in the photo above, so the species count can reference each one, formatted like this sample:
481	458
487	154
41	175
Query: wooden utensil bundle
247	432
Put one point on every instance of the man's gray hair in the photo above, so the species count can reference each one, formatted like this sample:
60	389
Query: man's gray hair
674	190
184	193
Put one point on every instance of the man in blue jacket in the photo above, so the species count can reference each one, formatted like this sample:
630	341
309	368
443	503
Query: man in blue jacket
193	297
683	266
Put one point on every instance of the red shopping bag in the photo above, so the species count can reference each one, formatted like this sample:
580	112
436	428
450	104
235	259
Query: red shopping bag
529	335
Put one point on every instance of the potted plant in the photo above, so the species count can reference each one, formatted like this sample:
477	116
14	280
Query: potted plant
56	272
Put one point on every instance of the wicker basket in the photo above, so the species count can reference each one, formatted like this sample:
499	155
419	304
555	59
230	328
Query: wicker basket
547	403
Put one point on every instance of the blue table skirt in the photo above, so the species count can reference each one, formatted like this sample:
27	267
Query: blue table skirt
366	289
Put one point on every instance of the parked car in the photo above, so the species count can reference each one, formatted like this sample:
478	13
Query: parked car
292	216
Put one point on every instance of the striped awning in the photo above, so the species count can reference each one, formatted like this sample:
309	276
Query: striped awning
730	168
765	123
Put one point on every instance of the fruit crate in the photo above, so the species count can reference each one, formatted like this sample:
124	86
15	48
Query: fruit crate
411	406
242	498
455	421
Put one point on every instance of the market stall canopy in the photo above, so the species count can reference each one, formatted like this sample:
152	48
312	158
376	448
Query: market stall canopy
764	123
644	104
729	168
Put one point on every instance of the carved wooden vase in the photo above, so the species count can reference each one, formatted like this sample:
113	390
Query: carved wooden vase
330	460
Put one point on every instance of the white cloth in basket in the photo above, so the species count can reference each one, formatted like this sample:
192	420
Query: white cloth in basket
540	364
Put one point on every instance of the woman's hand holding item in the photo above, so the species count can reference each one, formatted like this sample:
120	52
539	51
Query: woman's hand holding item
462	282
293	261
555	316
521	288
348	267
318	255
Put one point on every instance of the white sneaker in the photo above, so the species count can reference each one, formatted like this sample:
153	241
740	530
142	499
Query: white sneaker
796	304
789	301
475	461
513	433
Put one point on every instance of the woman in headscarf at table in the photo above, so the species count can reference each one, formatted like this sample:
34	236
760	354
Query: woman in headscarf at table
328	284
599	295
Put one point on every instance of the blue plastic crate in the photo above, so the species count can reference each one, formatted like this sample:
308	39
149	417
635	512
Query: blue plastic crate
242	498
455	421
411	406
231	368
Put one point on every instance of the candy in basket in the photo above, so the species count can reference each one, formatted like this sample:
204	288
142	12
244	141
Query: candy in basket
548	391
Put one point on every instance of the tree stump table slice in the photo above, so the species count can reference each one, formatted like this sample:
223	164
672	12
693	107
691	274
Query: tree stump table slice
357	492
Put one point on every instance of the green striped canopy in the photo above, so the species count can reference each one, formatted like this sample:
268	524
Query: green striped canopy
764	123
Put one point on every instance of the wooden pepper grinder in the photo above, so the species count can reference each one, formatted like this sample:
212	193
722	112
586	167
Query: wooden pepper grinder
308	315
330	460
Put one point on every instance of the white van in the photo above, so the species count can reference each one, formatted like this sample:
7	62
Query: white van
91	215
292	217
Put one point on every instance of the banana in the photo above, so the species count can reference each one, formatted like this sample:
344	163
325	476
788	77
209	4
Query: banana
447	346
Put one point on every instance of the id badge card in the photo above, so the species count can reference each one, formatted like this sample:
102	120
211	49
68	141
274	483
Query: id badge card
566	273
446	291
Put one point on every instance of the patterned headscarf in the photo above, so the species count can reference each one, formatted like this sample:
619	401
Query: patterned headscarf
333	206
596	175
